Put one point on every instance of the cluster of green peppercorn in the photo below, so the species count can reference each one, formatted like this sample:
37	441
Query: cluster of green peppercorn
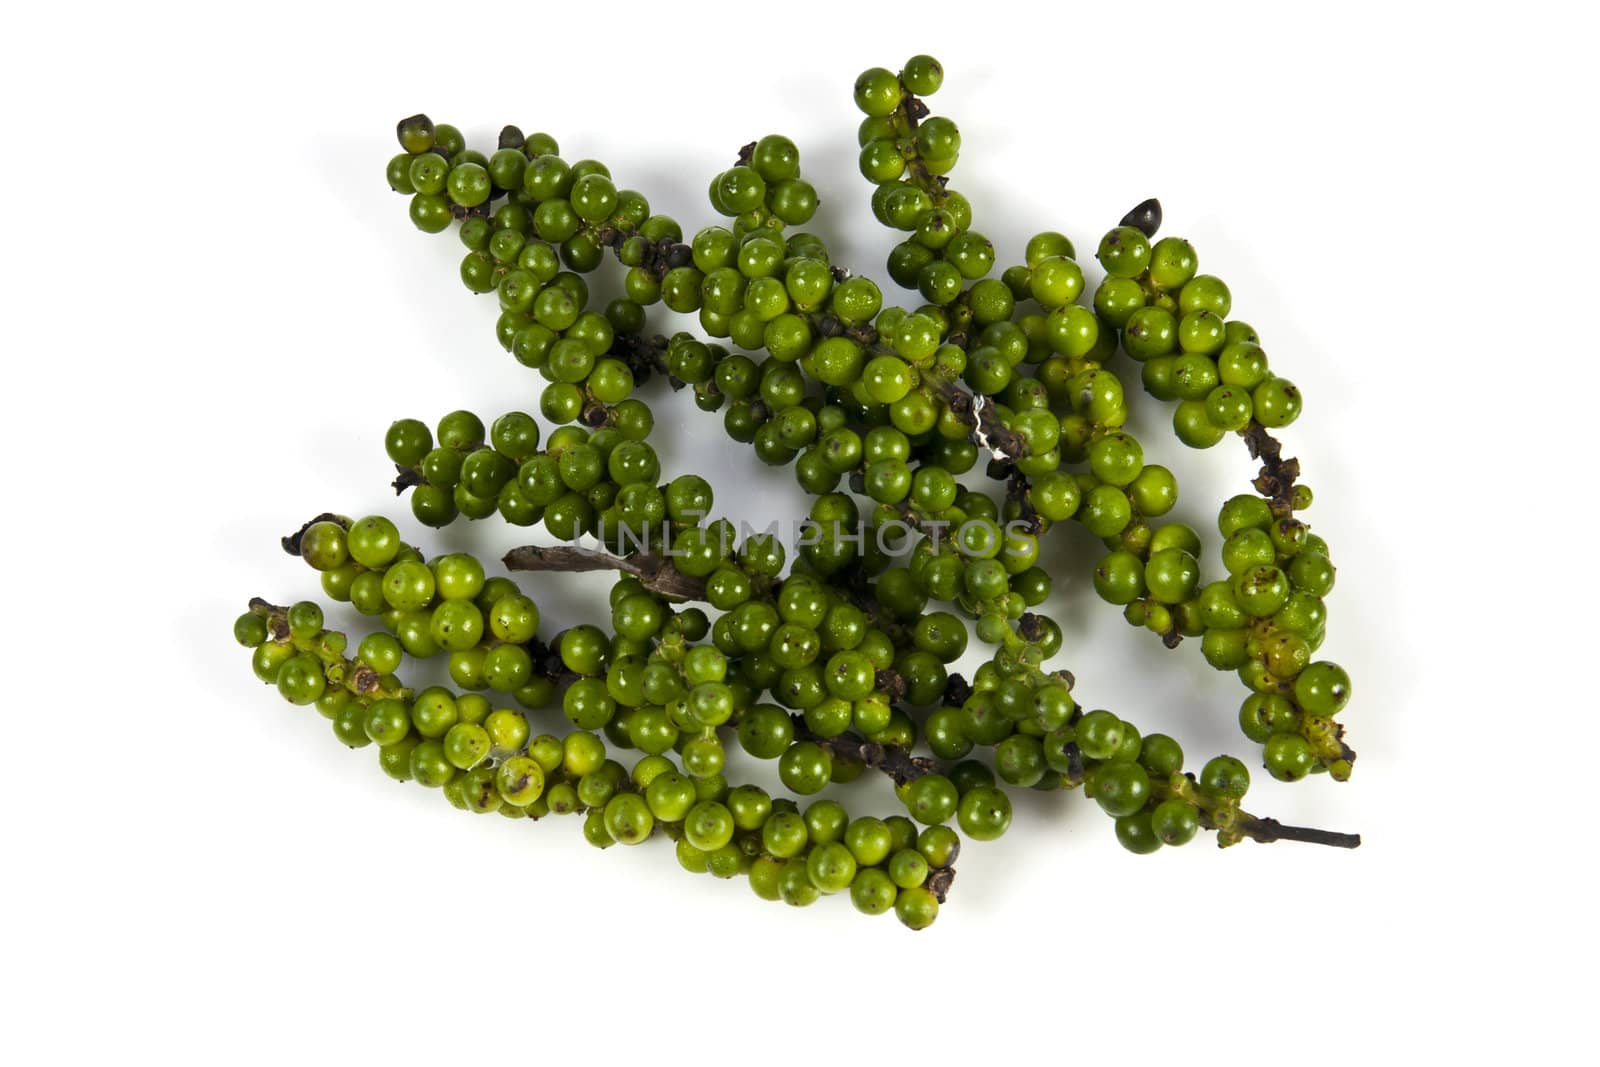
835	662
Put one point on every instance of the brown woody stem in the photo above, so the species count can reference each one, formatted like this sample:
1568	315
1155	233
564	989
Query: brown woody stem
655	573
1277	479
1266	831
898	763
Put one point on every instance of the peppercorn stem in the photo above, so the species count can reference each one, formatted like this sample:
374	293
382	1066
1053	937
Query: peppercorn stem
1266	830
655	573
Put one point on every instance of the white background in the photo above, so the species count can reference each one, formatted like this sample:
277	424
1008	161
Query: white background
214	307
